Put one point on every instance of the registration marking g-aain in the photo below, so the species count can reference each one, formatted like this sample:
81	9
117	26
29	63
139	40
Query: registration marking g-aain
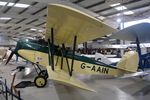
94	68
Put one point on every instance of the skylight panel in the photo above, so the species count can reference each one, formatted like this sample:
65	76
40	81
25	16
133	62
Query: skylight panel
116	4
101	17
2	3
33	29
10	4
121	8
5	18
128	12
21	5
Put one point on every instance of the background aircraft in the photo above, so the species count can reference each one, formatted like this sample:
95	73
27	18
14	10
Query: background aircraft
107	59
138	33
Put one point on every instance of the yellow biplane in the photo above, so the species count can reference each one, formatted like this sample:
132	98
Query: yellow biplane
65	27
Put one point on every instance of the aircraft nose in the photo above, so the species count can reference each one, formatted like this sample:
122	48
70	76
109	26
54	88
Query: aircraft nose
18	46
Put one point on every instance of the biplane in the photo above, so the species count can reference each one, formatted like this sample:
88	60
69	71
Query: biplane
65	27
138	33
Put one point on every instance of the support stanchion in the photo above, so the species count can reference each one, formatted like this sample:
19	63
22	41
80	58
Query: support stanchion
11	93
2	88
19	95
6	94
5	90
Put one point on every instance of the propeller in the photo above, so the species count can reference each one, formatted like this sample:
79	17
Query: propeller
9	58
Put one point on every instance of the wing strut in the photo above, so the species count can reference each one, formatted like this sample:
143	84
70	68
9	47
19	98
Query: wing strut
140	55
57	56
74	45
51	50
64	52
62	56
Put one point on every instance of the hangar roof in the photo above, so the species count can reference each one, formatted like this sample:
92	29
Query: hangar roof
27	18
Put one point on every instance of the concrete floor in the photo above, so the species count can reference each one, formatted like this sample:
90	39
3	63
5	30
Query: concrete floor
107	89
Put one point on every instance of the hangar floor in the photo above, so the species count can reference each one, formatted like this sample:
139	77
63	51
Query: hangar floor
107	89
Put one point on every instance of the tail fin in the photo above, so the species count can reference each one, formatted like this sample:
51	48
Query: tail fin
129	62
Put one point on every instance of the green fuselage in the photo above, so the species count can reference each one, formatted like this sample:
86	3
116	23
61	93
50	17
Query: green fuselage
27	45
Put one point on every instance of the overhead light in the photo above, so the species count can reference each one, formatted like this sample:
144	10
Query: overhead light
118	20
118	14
2	3
26	40
116	4
33	29
10	4
5	18
128	12
120	8
40	30
21	5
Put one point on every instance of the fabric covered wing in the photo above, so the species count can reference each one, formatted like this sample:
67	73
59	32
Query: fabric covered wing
64	78
68	22
140	31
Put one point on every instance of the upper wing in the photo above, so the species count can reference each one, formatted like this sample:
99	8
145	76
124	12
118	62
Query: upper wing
69	22
140	31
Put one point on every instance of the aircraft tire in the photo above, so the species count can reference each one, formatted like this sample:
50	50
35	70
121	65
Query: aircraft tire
40	81
43	73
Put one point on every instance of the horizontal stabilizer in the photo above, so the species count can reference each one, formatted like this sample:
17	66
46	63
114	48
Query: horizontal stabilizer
64	78
134	74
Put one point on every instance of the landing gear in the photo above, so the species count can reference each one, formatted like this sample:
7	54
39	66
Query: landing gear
43	73
40	81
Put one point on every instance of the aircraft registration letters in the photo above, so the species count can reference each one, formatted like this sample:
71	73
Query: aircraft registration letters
95	69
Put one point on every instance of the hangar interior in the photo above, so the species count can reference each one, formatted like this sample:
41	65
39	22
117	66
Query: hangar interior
27	20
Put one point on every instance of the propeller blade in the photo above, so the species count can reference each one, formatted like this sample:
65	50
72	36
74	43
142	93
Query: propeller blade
9	58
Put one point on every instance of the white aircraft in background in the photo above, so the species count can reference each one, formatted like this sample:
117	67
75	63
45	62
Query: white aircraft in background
108	59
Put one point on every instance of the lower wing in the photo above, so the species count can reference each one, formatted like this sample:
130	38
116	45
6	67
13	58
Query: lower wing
63	77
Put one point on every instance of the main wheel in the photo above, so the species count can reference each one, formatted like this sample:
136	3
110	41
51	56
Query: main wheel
40	81
44	73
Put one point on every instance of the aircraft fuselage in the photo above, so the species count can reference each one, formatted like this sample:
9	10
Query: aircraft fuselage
38	54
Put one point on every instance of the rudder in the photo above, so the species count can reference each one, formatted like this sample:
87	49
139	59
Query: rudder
129	62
